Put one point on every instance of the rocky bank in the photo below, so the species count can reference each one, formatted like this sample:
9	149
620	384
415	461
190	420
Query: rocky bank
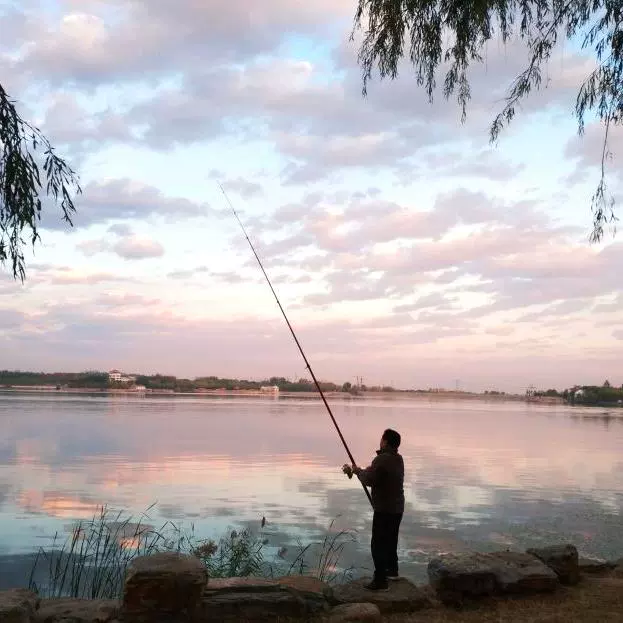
174	588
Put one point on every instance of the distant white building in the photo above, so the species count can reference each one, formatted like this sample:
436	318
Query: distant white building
269	389
114	376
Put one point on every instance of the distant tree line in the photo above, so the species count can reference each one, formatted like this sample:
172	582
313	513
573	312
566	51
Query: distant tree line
100	380
89	379
594	395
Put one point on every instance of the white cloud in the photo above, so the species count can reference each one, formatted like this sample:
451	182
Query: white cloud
137	248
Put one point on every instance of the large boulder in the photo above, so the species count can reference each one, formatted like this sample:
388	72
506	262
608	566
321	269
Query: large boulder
77	611
458	575
163	586
402	596
356	613
563	559
18	605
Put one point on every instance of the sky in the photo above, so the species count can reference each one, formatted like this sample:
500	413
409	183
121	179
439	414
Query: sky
405	248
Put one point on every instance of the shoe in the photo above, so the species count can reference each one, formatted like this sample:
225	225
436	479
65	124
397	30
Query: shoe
379	587
393	578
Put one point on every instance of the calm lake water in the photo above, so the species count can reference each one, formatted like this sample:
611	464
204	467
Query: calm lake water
480	475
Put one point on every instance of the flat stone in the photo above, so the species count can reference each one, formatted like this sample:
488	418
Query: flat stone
305	584
520	573
590	565
77	611
17	605
360	613
311	589
162	586
458	575
245	585
250	599
402	596
563	559
251	606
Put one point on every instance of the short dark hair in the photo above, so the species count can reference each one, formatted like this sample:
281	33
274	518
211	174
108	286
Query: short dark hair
392	438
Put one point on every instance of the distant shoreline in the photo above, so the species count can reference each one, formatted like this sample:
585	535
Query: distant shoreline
242	393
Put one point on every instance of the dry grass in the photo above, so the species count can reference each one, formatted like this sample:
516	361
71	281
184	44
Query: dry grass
594	600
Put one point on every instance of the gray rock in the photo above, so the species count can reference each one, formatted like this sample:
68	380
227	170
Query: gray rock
474	574
77	611
17	605
360	613
563	559
403	596
163	586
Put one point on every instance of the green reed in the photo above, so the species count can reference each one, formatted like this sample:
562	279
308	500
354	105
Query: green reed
91	562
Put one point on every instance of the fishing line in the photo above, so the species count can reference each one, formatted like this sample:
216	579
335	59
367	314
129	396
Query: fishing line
307	364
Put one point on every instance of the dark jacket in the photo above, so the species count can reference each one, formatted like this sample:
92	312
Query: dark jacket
386	476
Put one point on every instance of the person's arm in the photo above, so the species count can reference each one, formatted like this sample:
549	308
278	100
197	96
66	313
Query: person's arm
370	475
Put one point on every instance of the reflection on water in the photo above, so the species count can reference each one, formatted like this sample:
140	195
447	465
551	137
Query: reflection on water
480	475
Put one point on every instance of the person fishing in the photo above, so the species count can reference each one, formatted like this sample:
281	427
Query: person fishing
385	476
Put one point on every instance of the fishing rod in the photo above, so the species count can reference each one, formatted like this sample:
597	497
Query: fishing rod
307	365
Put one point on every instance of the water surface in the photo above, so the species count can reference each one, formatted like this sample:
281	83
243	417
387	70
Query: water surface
480	475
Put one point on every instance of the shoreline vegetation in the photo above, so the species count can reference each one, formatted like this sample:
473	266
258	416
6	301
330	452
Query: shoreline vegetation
91	562
114	382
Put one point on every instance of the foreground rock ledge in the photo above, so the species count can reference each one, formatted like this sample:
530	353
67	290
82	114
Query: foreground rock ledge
174	588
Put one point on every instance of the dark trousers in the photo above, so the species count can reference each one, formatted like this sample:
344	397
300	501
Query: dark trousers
384	545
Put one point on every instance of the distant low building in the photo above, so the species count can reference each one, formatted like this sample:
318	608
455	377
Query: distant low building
269	389
114	376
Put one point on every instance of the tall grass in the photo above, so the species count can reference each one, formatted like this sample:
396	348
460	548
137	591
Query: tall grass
91	562
327	554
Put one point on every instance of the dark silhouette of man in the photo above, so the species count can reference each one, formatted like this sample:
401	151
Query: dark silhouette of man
385	476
